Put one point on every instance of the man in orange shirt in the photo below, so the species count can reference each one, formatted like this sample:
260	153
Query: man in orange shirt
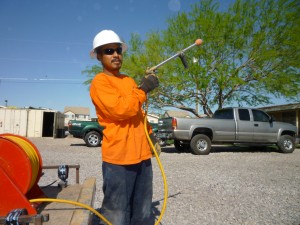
126	154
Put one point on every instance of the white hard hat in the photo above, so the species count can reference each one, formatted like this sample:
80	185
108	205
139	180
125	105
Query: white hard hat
106	37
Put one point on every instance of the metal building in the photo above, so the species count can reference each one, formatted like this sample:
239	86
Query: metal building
289	113
32	122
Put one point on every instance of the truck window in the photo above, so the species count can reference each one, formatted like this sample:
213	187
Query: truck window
260	116
223	114
244	114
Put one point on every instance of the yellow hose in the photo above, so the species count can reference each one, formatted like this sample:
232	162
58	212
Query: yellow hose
95	211
162	172
31	154
72	203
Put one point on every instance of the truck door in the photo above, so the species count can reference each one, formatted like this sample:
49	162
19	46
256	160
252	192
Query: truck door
244	126
264	131
224	125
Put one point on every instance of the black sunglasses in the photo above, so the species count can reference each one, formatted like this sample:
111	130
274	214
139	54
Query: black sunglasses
111	51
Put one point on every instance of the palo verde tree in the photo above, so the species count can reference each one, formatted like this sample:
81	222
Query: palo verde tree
250	54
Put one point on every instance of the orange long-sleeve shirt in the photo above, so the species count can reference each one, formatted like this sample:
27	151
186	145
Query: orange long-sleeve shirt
118	102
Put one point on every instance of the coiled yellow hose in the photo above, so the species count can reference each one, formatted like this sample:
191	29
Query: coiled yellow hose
32	156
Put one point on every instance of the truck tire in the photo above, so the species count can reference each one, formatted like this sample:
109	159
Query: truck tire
93	139
200	144
286	144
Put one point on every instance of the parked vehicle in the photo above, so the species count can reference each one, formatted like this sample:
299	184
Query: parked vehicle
89	131
229	125
161	142
154	127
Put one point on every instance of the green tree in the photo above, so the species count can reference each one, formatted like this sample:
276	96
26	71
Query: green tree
250	54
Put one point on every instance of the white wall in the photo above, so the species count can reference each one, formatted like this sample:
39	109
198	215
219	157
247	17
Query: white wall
13	121
28	122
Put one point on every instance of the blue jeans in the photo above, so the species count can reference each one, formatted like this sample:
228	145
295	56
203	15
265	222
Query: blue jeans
128	193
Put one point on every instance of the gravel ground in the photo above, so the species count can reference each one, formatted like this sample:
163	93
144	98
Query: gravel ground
232	185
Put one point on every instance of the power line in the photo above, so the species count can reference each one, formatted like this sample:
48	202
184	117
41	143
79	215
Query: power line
43	60
40	80
45	42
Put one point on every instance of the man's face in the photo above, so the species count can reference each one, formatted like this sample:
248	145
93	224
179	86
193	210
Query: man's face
111	57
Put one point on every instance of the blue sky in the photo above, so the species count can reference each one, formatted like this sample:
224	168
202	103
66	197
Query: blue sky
45	44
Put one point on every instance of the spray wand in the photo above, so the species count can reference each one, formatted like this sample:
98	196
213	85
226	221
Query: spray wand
179	54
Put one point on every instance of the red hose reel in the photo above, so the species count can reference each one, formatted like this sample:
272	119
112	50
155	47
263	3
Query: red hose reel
20	171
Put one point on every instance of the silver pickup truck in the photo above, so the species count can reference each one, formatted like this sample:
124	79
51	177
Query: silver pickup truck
229	125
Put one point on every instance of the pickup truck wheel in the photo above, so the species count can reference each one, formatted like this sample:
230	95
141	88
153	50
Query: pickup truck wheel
286	144
93	139
200	144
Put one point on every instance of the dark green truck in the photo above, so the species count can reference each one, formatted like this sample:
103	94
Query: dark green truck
90	131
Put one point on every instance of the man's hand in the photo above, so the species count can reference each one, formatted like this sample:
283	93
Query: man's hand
149	83
156	145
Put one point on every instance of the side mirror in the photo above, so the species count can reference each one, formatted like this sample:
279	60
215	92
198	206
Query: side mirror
271	120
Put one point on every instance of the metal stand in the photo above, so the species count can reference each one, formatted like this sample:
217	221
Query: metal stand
25	219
